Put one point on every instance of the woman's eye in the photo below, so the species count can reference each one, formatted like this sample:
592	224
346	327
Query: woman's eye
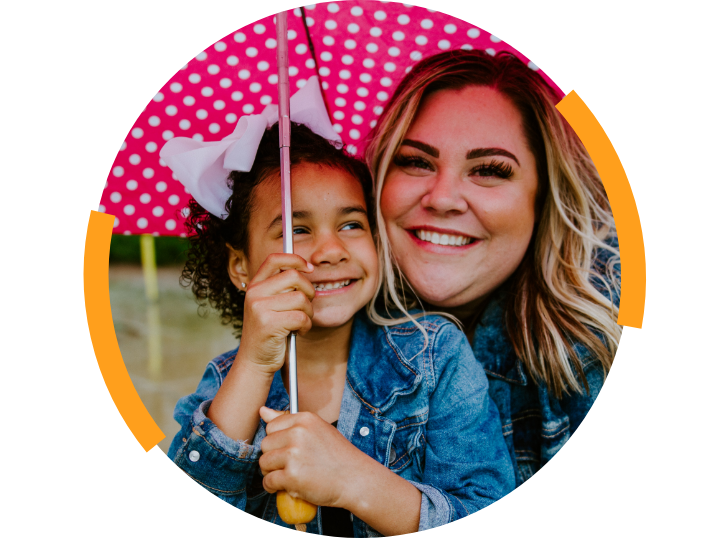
411	161
494	169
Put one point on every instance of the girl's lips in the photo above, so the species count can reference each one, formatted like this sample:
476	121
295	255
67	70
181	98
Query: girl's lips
337	291
447	249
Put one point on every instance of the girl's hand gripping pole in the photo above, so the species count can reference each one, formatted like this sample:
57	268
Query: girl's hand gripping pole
293	511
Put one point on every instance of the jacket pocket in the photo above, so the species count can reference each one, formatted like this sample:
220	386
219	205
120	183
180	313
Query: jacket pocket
408	444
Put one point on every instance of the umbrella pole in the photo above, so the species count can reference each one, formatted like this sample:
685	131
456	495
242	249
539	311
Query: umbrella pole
153	316
291	510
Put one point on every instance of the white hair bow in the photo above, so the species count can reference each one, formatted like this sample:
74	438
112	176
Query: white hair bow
203	167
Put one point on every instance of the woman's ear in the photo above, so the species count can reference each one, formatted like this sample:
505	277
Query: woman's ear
237	268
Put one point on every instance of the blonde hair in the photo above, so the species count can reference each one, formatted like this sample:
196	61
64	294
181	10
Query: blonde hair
554	304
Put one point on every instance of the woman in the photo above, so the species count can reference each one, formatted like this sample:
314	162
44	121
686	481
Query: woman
495	214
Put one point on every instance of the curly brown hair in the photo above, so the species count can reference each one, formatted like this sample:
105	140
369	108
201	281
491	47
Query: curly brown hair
205	270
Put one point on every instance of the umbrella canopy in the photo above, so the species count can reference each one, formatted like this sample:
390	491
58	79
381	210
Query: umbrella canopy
362	49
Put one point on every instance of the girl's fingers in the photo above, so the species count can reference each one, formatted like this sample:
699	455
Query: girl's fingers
279	262
274	481
286	302
272	461
280	283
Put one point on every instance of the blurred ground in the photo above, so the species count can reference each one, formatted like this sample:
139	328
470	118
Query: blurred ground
188	341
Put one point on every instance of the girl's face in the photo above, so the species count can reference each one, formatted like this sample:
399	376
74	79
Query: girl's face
331	231
459	200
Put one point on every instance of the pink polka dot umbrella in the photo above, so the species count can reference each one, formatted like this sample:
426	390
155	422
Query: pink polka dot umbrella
361	50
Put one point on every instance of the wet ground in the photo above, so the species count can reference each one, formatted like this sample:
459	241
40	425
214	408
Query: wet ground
187	341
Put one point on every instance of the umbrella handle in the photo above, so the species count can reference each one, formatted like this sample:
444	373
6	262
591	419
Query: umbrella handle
294	511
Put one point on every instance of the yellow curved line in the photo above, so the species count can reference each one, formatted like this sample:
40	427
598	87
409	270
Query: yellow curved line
624	208
103	335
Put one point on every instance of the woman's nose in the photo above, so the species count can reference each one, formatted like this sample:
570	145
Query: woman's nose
329	249
444	195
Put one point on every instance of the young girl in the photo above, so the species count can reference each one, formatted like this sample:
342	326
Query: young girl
396	432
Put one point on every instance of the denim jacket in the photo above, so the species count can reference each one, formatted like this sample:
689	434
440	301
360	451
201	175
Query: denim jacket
424	414
535	423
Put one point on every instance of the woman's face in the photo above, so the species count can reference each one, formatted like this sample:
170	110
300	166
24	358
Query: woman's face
459	199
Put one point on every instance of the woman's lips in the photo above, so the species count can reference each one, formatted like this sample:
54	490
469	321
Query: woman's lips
437	240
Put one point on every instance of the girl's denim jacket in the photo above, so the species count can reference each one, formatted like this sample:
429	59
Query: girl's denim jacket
423	413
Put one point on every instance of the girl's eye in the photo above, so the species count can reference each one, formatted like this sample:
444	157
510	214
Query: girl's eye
494	169
299	230
411	161
353	226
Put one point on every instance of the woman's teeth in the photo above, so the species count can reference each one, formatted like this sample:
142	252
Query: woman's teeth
442	239
331	285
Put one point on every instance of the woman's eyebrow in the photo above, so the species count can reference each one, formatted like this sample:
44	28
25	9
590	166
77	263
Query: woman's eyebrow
422	146
487	152
296	215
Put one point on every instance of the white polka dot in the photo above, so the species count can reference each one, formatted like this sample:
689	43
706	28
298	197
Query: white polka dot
357	119
137	132
194	78
356	11
173	199
354	134
324	71
338	115
352	150
328	40
167	135
403	19
340	101
325	85
297	11
197	137
291	34
148	173
239	37
385	81
444	44
368	62
375	31
185	212
301	83
491	52
117	171
342	88
353	28
101	208
326	56
237	96
244	74
371	48
363	92
213	69
258	28
201	56
134	159
394	51
359	105
116	222
466	47
310	21
145	198
157	211
206	91
426	24
345	74
219	104
265	99
255	87
189	100
495	39
389	67
398	36
408	69
170	224
301	48
330	25
378	109
225	83
115	197
270	43
175	87
142	223
473	33
123	145
232	60
159	97
272	79
337	127
347	59
129	209
421	40
154	121
171	110
373	123
248	108
161	186
220	46
415	55
382	96
214	128
533	66
365	77
350	44
293	71
202	114
379	15
309	64
333	7
263	66
449	28
251	52
184	124
151	147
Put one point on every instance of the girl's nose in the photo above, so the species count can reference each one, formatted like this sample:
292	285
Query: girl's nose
329	249
444	195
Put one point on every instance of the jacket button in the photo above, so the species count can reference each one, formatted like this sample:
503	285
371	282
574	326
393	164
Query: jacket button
393	454
194	456
364	431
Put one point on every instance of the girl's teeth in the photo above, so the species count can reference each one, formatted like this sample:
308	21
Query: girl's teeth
442	239
331	285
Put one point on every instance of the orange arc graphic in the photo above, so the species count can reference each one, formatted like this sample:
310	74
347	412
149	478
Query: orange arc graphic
103	335
624	208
